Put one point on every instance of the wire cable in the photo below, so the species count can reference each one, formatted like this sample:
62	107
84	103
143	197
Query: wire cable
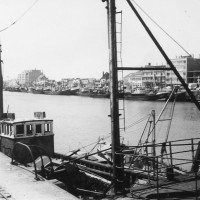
19	18
161	28
137	122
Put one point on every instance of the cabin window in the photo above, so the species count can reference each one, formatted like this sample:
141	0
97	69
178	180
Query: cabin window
20	129
29	129
6	129
11	129
47	128
38	128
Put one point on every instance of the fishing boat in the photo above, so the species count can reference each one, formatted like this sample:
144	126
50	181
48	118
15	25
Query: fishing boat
65	91
57	91
74	90
37	90
149	170
99	95
30	145
30	142
141	94
126	167
85	92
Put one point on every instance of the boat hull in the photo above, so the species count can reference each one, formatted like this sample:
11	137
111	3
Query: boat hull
141	97
100	95
46	142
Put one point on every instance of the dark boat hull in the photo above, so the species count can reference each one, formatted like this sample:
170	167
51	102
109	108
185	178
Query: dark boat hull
61	92
100	95
141	97
37	91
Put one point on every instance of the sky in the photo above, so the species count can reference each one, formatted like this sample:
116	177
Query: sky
68	38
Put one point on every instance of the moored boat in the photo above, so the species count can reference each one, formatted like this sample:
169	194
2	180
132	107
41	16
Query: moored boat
161	180
74	90
142	97
141	161
37	90
30	142
65	91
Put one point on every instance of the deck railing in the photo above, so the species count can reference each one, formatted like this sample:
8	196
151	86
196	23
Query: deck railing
174	160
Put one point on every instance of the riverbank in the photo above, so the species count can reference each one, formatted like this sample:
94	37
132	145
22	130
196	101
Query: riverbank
181	96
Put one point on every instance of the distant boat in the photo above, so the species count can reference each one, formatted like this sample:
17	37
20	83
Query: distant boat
50	91
196	93
107	95
13	89
99	93
64	92
84	92
140	93
37	91
74	90
180	94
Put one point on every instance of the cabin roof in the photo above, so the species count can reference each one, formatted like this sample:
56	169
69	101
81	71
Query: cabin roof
15	121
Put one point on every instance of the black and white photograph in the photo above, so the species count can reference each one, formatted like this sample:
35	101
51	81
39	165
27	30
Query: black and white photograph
99	99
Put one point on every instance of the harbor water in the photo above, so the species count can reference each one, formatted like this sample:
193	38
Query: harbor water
80	121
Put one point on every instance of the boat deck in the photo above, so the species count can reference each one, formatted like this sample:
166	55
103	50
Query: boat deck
182	187
19	184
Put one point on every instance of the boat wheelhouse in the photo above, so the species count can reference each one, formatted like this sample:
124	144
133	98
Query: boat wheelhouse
36	131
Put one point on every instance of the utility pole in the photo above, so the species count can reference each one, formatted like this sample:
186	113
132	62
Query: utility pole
1	84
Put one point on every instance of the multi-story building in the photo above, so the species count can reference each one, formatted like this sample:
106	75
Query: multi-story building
152	78
146	78
188	67
28	76
134	79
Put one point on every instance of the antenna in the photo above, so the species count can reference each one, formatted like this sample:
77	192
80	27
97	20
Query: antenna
7	108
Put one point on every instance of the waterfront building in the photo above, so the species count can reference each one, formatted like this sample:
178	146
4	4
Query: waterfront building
87	83
154	78
104	80
97	83
91	82
146	78
76	82
41	80
27	77
67	82
10	83
134	80
188	67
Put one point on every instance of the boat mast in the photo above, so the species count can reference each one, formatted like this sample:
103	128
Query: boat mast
1	84
114	104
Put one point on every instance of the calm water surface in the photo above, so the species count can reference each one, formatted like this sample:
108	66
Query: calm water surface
79	121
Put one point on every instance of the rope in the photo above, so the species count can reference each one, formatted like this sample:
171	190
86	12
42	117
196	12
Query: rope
19	18
137	122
